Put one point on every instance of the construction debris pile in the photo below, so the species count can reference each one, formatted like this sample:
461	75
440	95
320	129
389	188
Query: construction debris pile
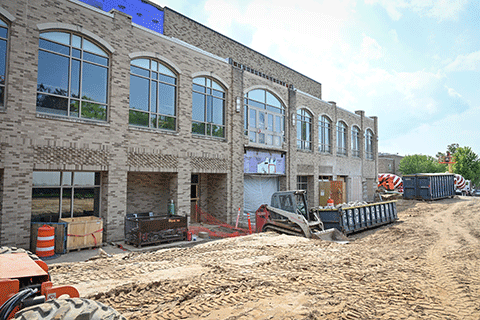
423	267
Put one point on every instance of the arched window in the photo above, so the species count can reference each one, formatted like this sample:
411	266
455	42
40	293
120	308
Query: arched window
324	134
264	118
3	60
341	138
153	92
369	144
355	141
72	76
304	130
208	108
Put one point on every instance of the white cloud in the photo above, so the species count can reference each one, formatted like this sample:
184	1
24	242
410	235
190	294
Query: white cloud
441	10
452	92
468	62
371	49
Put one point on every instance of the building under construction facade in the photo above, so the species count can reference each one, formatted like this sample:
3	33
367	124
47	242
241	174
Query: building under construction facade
116	107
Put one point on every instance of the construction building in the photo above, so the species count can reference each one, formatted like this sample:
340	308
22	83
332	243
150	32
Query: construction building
389	163
116	107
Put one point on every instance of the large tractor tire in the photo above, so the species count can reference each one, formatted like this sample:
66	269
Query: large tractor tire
69	309
7	250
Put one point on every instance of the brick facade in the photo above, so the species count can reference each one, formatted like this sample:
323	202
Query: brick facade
142	169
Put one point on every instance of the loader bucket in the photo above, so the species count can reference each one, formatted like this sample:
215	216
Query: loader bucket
330	235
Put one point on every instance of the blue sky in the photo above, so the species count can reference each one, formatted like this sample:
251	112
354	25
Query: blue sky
413	63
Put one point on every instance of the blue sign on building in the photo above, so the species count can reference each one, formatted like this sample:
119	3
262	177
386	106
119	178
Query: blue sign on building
145	14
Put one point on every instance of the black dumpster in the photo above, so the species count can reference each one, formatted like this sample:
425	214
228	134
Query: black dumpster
353	219
428	186
146	229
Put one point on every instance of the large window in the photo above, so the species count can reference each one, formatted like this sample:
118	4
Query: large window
341	138
72	77
3	60
355	141
324	134
64	194
153	90
369	144
302	183
304	130
208	108
264	118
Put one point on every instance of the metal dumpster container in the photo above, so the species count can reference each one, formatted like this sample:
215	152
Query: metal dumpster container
354	219
144	228
428	186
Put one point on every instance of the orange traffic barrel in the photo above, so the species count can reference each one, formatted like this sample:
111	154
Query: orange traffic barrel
45	241
330	202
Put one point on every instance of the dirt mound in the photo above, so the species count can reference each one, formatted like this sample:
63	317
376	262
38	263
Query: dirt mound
425	266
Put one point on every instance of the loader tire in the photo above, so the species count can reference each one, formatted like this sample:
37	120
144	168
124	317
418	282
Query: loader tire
8	250
69	309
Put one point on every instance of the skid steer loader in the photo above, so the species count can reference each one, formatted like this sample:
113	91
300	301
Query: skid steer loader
288	214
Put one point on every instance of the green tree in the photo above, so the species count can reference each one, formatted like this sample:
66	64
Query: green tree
467	164
418	163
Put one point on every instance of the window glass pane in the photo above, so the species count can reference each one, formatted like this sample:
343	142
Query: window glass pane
153	96
198	128
3	33
87	45
270	122
252	136
66	202
218	131
3	60
256	104
95	111
46	178
84	178
84	201
60	37
198	106
198	88
261	120
142	63
277	141
253	118
274	109
208	82
218	111
76	53
76	41
165	70
138	118
52	73
67	178
2	95
74	108
153	65
166	79
94	83
75	82
209	109
54	47
216	86
199	81
299	131
257	94
51	104
45	204
269	139
218	94
278	124
166	123
139	71
166	103
273	101
95	59
153	121
261	138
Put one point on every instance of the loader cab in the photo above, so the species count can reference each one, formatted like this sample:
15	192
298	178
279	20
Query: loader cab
291	201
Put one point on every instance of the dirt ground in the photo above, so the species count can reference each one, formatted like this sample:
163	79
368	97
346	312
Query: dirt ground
425	266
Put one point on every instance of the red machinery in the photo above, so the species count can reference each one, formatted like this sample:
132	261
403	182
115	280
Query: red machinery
24	282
